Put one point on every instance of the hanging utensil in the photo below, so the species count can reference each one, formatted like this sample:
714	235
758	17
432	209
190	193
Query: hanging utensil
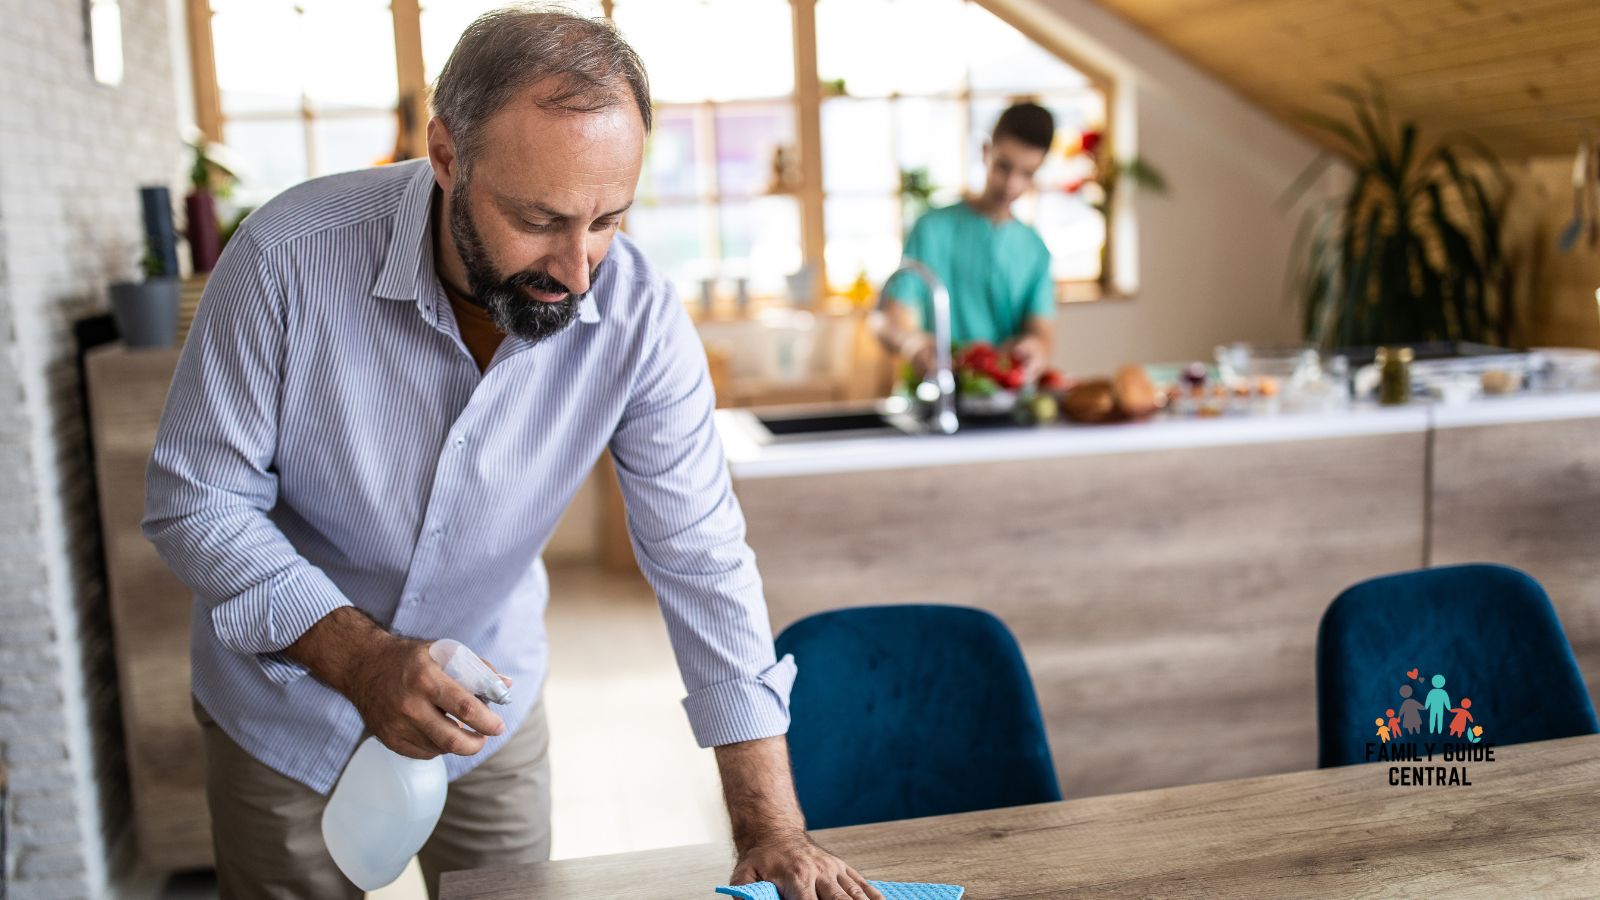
1580	172
1594	195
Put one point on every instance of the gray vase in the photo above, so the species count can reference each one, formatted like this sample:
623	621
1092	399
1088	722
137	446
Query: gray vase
146	311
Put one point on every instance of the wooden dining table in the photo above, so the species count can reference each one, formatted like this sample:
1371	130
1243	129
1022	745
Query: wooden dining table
1528	824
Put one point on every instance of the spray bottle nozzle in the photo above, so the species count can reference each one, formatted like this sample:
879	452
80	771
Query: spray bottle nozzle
460	663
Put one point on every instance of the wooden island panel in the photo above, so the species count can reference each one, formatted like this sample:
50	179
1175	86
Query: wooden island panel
1527	494
1155	594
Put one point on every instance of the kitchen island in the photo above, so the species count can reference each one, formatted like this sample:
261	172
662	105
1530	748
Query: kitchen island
1165	579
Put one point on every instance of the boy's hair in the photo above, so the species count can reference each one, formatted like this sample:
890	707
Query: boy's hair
1029	123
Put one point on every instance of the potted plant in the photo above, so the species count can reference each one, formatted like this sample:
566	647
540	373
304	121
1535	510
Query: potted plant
916	195
1099	175
210	180
146	311
1412	251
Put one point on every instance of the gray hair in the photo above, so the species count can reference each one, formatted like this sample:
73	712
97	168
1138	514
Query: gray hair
586	62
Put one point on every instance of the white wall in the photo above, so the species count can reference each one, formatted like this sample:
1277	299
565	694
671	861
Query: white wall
1212	253
75	155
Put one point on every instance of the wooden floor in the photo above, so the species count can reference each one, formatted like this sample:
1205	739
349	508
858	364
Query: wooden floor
627	772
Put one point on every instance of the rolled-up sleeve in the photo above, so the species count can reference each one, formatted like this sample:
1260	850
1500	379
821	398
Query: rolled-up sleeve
688	534
211	483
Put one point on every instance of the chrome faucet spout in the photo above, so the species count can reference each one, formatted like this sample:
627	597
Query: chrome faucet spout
938	388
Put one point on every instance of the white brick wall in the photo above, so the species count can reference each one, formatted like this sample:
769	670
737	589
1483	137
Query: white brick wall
75	154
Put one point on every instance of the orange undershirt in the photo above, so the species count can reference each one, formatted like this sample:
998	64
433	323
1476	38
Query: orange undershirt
478	331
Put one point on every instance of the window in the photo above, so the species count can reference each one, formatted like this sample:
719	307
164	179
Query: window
306	87
925	98
309	87
711	206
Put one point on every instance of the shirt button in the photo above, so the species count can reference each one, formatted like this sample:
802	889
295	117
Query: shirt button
461	440
411	599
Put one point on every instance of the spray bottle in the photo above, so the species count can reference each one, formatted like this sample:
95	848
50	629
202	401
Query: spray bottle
385	805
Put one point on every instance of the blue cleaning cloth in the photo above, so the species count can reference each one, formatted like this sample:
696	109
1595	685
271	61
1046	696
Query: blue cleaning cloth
891	890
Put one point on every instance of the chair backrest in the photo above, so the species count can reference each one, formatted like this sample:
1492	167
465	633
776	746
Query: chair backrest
907	711
1489	630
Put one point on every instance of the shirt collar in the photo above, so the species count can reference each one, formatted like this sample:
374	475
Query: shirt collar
402	274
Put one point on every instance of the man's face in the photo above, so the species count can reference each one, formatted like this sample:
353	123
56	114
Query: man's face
537	212
1011	166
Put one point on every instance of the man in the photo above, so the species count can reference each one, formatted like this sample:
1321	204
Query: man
996	268
395	383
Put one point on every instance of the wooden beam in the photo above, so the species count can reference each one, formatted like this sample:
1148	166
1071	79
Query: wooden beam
412	80
808	129
203	70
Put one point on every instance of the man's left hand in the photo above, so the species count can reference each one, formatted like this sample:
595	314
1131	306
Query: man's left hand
1030	351
801	870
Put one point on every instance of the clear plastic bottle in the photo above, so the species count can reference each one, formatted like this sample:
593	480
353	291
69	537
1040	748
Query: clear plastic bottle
386	805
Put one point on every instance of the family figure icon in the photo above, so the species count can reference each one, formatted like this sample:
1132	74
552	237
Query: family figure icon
1436	704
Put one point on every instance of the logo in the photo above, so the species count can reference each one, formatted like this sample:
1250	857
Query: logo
1434	735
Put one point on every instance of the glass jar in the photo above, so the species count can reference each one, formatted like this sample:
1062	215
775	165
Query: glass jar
1394	371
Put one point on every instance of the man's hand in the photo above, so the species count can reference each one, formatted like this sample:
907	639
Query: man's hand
401	693
801	870
769	832
917	349
900	335
1032	354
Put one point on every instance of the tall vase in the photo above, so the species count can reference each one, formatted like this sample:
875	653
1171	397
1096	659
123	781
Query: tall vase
160	236
202	230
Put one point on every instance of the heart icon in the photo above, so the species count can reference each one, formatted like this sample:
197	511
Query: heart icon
1412	673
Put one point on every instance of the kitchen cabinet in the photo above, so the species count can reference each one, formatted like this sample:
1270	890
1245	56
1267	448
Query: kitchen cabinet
150	610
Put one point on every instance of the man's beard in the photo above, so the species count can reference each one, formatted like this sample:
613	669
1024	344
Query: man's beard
512	310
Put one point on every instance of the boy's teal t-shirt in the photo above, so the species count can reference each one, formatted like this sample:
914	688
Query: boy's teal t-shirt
997	275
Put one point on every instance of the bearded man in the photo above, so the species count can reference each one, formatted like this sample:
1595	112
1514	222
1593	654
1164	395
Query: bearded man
396	381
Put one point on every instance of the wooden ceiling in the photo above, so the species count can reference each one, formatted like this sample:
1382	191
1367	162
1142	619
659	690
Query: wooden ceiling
1523	75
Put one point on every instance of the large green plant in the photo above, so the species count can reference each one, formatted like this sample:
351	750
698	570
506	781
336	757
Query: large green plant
1413	250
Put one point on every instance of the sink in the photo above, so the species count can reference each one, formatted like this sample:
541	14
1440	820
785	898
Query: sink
780	425
796	425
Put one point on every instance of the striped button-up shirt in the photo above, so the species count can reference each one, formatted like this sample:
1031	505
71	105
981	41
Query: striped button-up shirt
329	441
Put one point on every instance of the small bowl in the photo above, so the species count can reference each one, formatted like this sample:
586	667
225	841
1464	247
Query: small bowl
1457	390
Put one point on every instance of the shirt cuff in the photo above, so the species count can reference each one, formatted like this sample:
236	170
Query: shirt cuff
269	617
744	709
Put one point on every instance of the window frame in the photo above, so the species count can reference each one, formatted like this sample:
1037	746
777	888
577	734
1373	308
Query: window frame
808	98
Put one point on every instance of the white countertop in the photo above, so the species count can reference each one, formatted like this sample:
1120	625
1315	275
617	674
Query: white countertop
748	457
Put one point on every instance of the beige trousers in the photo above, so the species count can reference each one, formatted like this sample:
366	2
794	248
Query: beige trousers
266	828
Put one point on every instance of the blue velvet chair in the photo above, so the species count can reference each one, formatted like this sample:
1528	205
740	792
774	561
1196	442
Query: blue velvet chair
1489	630
907	711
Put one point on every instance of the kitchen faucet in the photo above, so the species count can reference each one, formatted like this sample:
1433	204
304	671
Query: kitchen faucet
937	392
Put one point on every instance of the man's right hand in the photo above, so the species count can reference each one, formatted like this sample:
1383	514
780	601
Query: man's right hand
918	350
402	694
